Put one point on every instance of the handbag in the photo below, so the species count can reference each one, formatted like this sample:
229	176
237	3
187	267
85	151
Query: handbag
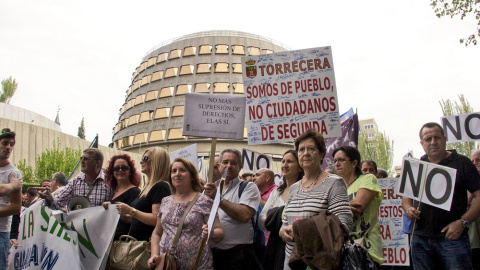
168	261
356	256
128	253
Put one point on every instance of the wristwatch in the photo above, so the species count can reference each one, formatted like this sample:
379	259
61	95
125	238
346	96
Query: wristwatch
465	223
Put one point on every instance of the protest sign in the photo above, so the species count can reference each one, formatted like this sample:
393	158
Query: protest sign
427	182
189	153
462	128
288	93
214	116
57	240
349	138
394	241
253	161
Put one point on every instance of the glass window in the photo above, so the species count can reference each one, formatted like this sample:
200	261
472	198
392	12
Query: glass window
127	141
178	111
137	70
171	72
166	92
175	133
133	120
267	51
221	49
221	87
157	75
152	61
189	51
119	143
175	53
202	88
221	67
238	49
145	116
145	80
183	88
162	113
186	69
162	57
205	49
238	88
237	68
135	85
204	68
152	95
140	138
157	135
139	99
253	51
142	66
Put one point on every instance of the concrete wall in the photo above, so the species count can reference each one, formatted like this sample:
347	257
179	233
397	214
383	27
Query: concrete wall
32	140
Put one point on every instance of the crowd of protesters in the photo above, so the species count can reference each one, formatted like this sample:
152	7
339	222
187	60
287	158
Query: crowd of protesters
258	224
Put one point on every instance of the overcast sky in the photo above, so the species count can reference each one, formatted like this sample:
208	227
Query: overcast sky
394	61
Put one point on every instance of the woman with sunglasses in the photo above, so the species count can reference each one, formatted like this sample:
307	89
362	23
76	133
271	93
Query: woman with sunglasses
144	209
123	179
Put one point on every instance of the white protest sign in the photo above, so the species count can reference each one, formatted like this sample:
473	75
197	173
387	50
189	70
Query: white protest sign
189	153
390	214
427	182
462	128
253	161
214	116
77	240
290	92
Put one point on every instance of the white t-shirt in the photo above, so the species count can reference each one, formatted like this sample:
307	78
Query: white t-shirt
5	173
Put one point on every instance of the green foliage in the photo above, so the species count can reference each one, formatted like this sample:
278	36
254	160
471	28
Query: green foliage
455	108
9	86
461	8
378	149
81	130
56	160
27	171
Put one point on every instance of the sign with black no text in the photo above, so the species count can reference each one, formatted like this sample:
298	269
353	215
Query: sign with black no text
254	161
462	128
427	182
214	116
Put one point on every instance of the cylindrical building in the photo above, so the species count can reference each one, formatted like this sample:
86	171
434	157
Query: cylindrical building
205	62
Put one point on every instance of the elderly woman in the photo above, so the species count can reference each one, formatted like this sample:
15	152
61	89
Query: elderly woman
185	186
144	209
275	248
122	178
365	197
316	191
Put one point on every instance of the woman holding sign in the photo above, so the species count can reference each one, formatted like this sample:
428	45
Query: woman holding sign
190	209
365	197
317	191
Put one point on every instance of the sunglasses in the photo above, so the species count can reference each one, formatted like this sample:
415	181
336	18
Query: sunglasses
86	158
122	168
145	158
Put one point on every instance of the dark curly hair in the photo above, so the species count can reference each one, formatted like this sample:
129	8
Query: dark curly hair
110	179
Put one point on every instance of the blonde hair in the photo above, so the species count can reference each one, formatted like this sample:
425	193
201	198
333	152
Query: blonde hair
159	166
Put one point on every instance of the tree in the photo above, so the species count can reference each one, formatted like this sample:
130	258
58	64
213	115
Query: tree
27	171
455	108
81	130
56	160
462	8
9	86
378	149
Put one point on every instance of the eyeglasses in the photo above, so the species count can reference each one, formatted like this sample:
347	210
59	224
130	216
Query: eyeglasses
121	168
341	160
86	158
310	149
145	158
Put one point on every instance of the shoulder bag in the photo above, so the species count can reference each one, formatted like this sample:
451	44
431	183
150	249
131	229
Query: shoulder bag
356	256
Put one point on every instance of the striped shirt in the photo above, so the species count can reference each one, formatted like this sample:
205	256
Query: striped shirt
331	195
78	186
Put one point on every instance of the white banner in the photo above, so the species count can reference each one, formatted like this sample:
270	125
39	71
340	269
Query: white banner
462	128
254	161
290	92
427	182
214	116
55	240
189	153
390	214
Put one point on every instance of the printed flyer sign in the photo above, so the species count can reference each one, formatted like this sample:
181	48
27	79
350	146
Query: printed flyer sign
288	93
214	116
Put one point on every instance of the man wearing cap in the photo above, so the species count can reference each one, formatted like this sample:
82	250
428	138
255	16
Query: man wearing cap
10	192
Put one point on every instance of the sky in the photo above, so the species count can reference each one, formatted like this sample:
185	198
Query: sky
394	61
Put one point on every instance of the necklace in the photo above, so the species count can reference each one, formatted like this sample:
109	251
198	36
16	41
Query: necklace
348	185
311	184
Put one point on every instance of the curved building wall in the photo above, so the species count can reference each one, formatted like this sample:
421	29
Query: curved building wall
11	112
206	62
